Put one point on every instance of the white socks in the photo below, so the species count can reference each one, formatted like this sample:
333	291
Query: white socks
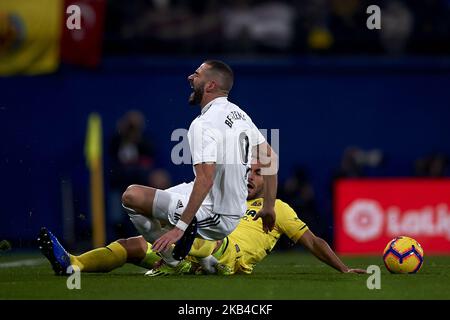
150	229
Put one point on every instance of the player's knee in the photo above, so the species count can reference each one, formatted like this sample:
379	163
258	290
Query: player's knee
136	248
123	243
130	196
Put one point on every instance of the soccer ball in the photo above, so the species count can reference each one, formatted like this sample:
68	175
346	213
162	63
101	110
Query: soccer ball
403	255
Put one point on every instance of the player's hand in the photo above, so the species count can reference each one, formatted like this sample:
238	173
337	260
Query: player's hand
358	271
268	218
166	240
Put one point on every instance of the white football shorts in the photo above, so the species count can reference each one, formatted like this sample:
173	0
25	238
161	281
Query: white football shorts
169	204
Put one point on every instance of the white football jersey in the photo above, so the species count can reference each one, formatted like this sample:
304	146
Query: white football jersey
224	134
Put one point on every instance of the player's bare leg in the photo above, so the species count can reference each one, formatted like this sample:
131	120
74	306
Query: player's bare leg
146	207
139	199
138	202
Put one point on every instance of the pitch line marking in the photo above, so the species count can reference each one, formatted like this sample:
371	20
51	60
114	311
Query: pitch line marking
22	263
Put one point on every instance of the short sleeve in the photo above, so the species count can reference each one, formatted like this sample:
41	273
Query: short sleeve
288	222
256	138
203	143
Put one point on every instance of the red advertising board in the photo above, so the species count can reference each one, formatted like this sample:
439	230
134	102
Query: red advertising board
369	213
84	46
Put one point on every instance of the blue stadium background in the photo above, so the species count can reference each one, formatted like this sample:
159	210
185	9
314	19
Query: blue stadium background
321	106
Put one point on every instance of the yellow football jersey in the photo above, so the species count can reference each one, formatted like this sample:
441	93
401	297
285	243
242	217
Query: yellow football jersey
252	244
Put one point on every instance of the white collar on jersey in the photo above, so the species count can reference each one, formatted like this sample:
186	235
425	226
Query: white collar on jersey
206	108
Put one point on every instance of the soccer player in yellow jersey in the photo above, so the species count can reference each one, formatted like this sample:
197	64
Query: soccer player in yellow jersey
247	245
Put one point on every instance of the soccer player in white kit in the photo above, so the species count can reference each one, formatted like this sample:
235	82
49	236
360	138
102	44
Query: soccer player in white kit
223	141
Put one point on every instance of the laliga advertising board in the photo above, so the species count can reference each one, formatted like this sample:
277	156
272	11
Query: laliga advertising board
369	213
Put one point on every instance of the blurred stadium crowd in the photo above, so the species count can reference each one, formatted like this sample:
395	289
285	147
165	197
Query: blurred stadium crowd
270	27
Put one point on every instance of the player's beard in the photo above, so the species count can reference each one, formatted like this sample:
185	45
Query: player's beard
196	96
255	192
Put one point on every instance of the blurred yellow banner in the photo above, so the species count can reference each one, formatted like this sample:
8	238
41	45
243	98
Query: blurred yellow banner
93	144
93	152
30	32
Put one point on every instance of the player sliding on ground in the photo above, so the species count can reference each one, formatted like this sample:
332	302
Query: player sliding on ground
223	141
247	245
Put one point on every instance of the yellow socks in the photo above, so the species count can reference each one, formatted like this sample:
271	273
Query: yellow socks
221	249
150	258
102	259
114	256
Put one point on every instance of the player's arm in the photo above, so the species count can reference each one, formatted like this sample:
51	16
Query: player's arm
320	248
268	159
202	185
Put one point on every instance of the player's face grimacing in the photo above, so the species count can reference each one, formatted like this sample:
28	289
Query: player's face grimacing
197	82
255	184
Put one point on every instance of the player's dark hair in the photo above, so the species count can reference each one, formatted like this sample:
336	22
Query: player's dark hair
225	72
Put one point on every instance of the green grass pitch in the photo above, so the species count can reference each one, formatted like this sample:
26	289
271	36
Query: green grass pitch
284	275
